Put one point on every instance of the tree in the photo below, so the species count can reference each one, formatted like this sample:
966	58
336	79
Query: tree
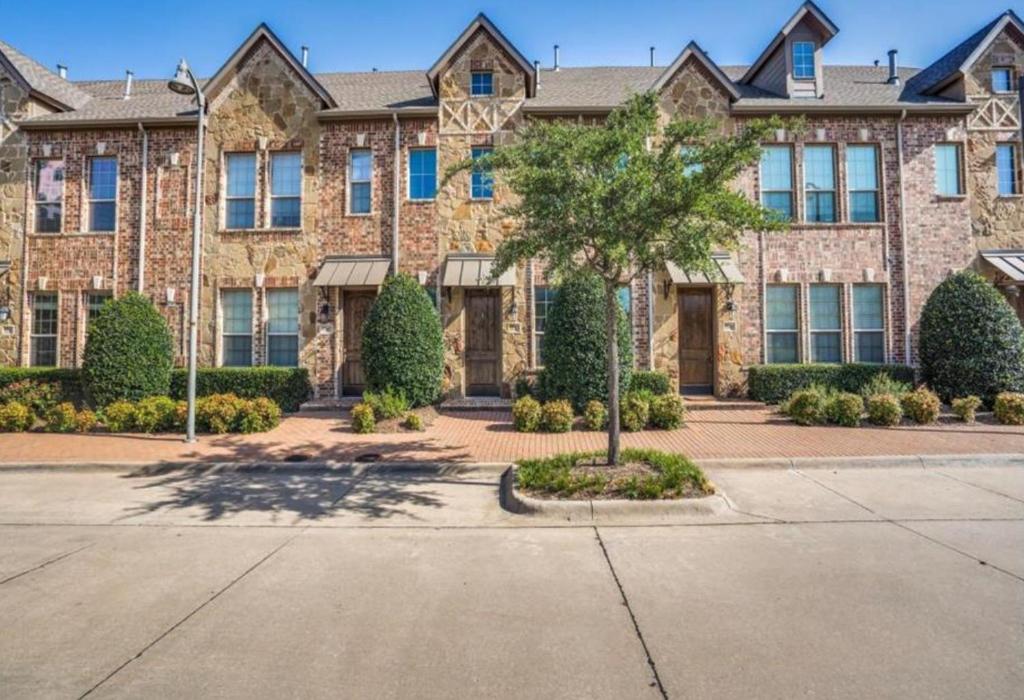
624	198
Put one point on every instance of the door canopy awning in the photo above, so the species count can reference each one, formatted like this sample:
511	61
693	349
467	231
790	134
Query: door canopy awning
1009	262
352	272
475	271
723	271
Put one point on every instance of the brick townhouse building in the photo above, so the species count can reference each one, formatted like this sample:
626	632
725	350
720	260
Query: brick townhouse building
317	185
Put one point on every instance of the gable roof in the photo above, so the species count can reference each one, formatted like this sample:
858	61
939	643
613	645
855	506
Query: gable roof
215	84
39	81
808	9
481	22
697	53
958	60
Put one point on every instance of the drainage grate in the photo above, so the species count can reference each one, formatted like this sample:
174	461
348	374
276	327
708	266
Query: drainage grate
297	457
369	457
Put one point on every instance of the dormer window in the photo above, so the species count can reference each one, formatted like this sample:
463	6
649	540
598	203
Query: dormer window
803	60
481	83
1002	79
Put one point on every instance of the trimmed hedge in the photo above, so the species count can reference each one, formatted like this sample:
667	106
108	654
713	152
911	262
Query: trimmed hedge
69	380
775	383
288	387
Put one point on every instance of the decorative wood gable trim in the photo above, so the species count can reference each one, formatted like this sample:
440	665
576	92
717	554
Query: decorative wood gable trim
481	22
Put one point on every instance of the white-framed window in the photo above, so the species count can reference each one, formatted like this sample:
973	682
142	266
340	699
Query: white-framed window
482	177
868	323
481	83
543	298
1002	79
43	341
777	180
283	327
49	195
825	323
103	194
692	165
803	60
862	182
1007	176
782	329
949	181
422	173
236	329
240	193
360	176
819	184
286	190
94	302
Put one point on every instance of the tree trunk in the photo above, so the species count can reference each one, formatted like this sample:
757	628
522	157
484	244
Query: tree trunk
611	307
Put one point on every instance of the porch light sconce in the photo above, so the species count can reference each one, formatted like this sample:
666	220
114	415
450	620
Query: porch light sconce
169	294
323	306
666	287
448	294
1011	290
421	277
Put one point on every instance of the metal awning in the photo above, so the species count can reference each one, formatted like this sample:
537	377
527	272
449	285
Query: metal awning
1009	262
475	271
352	272
724	271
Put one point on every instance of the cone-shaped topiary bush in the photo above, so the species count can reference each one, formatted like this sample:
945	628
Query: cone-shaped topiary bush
402	343
971	342
128	352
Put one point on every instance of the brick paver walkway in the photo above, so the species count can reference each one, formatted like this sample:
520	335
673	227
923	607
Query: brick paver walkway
488	436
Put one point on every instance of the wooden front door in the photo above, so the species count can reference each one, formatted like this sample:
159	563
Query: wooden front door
483	342
696	341
356	308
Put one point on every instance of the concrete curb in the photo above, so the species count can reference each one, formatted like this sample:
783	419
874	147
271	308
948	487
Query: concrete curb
261	467
1009	459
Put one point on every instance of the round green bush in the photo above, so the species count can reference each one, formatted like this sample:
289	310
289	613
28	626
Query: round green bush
1009	408
966	407
362	419
971	342
806	406
655	382
218	413
921	406
128	352
634	412
595	416
15	417
258	415
884	409
667	411
844	409
556	416
119	416
155	414
574	344
61	418
413	422
403	348
526	415
85	421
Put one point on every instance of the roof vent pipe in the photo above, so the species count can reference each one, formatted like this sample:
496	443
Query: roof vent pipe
894	75
652	57
128	75
556	57
536	73
62	71
305	56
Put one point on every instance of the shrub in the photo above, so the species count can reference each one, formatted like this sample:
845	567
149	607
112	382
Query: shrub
556	416
526	415
258	415
884	409
971	342
119	416
413	422
362	419
882	383
218	413
68	383
807	406
921	406
595	416
667	411
402	342
1009	408
15	417
61	418
844	408
39	396
155	414
574	345
180	416
128	352
386	404
524	386
655	382
85	421
774	383
965	408
634	412
288	387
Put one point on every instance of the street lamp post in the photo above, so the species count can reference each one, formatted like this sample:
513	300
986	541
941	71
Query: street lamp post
185	83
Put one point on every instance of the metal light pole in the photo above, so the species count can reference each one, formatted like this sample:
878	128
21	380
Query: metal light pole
185	83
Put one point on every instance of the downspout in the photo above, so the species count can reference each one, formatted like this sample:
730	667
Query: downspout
650	312
903	242
143	177
397	194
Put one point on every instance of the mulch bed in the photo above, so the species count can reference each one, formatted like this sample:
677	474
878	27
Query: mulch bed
427	414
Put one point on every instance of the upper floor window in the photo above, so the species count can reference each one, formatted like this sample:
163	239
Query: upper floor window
692	166
236	335
1006	169
481	83
862	182
868	324
781	329
819	184
422	173
777	180
102	194
49	185
482	179
803	60
286	190
948	169
360	173
283	327
240	197
44	330
1002	79
826	323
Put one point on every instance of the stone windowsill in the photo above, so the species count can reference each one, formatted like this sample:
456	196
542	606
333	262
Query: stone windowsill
1011	197
367	215
72	234
410	200
950	197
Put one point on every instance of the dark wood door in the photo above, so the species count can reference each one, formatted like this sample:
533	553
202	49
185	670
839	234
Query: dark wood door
483	342
696	341
356	308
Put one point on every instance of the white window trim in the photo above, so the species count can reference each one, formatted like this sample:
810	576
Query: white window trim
794	215
298	327
408	179
537	335
32	327
91	201
856	330
850	191
473	95
768	331
838	330
814	67
834	190
352	181
35	195
228	198
270	190
222	333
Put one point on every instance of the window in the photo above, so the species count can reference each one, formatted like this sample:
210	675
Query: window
283	327
803	60
688	153
862	181
819	184
948	181
481	83
237	334
286	190
1002	79
543	298
360	170
826	324
777	180
781	324
44	330
240	200
422	173
1006	169
102	194
49	195
483	180
94	302
868	324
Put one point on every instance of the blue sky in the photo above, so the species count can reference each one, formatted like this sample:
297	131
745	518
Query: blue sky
114	35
